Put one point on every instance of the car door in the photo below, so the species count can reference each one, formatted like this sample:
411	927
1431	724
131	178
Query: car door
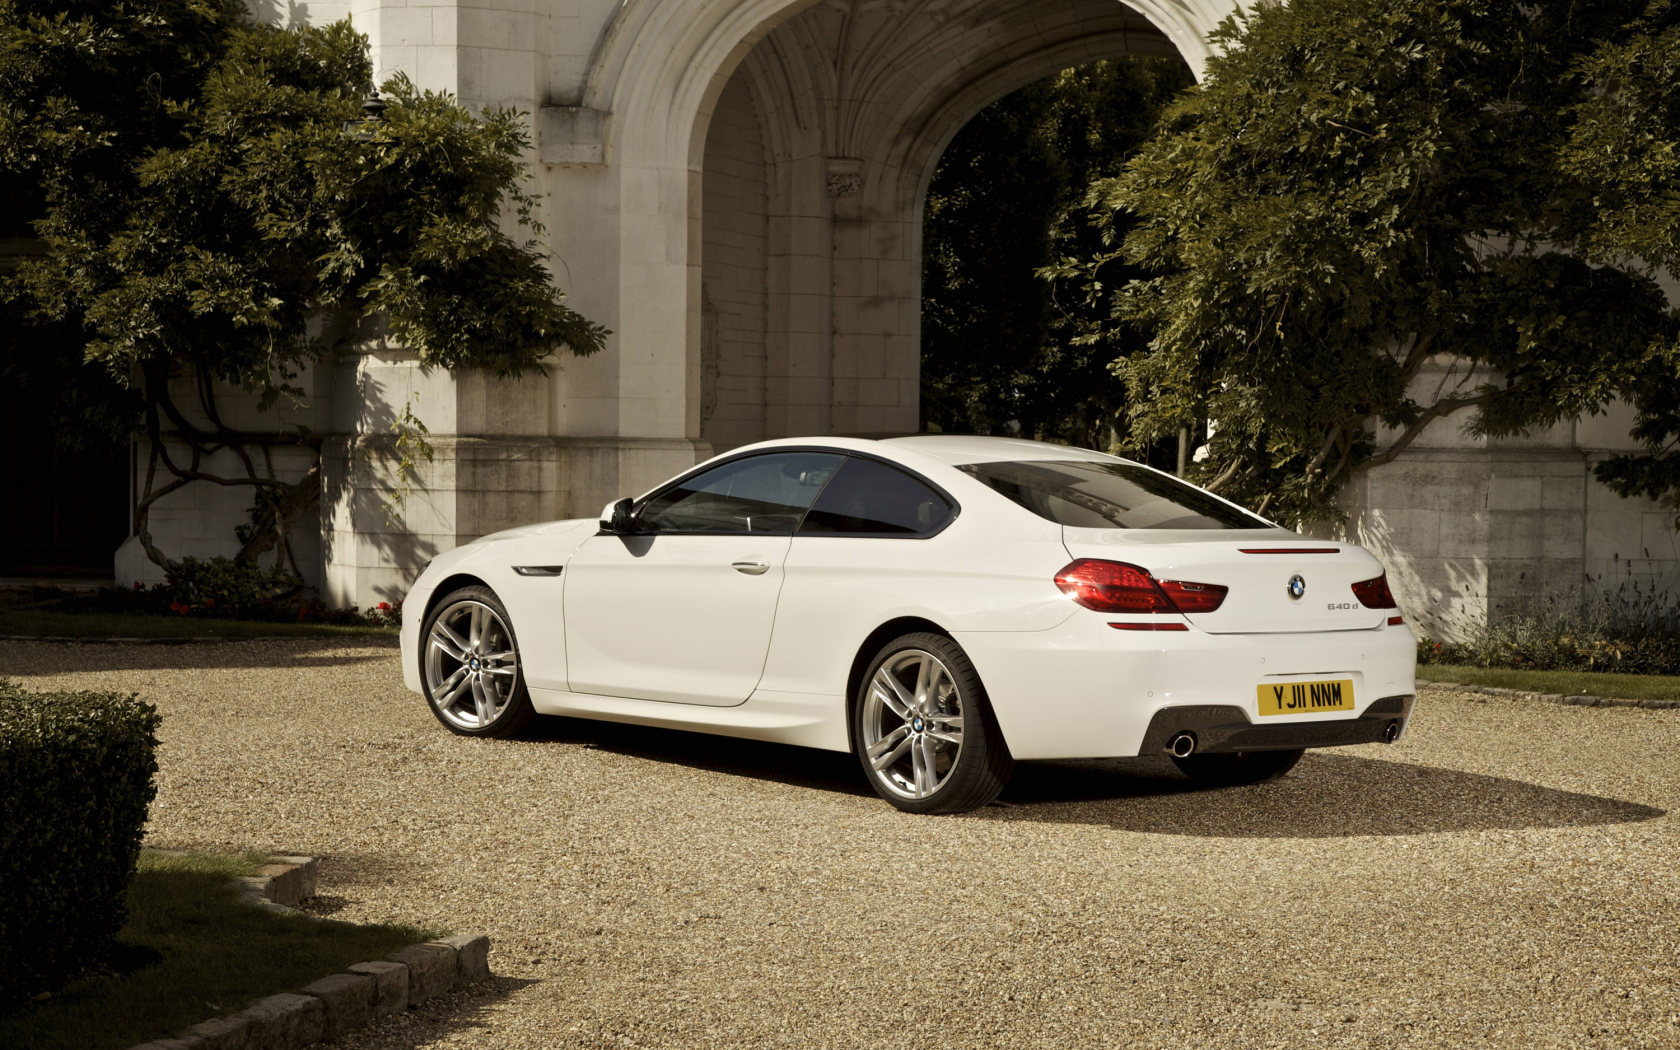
681	609
862	556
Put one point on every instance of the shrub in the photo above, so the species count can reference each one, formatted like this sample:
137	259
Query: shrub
1627	631
223	587
77	772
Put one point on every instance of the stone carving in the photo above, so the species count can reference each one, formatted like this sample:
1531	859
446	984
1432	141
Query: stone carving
844	184
845	176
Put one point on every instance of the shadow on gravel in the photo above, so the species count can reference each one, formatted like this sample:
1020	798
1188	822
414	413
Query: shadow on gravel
1327	796
450	1018
23	659
804	767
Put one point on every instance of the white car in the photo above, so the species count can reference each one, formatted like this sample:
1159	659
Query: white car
942	606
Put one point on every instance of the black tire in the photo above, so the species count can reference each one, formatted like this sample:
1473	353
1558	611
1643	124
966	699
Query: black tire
515	712
1238	767
958	779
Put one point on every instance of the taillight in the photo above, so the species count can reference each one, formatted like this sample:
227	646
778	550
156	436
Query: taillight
1115	587
1374	594
1112	586
1194	597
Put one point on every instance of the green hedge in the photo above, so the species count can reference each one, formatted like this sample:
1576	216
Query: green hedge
75	780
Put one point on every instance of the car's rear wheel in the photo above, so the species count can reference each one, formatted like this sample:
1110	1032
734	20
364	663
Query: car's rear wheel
924	729
1238	767
471	667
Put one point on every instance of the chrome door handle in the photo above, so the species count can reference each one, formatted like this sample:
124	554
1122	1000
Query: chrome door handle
752	568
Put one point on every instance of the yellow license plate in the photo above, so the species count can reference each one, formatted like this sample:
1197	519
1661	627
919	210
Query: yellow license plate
1306	698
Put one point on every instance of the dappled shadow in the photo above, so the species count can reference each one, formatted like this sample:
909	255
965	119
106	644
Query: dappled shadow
1329	795
453	1017
805	767
23	659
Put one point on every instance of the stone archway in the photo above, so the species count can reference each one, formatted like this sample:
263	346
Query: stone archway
782	297
814	172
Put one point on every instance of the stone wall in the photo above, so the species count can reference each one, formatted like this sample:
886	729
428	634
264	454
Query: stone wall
735	225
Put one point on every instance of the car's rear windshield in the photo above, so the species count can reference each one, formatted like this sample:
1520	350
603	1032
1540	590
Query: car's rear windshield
1095	495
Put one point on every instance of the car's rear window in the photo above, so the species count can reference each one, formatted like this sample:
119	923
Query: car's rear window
1094	495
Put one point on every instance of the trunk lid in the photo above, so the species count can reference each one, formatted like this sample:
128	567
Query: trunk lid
1257	566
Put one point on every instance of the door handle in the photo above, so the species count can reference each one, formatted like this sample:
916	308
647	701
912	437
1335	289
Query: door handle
752	568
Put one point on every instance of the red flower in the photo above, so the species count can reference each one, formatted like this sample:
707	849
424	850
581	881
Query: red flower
384	606
211	602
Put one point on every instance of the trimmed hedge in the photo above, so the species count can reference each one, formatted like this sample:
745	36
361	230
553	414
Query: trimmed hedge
75	781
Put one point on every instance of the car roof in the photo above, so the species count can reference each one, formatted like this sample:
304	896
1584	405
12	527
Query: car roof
975	448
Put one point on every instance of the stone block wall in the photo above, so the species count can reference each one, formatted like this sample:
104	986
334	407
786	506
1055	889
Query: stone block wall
733	273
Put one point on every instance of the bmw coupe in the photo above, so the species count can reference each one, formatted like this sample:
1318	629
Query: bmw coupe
941	606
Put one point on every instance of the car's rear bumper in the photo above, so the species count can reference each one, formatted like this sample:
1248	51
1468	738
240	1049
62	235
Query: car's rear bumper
1221	728
1084	690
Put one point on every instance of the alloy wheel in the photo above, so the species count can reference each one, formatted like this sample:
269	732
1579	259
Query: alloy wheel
472	667
913	723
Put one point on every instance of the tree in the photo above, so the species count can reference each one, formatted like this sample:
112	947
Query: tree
1357	190
997	349
210	224
1625	148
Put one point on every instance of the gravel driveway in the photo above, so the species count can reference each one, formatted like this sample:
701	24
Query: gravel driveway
1507	876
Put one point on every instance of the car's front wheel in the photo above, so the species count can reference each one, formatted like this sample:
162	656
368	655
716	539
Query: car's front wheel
924	730
1238	767
471	668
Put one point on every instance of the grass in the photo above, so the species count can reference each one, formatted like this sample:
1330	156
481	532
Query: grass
207	953
1569	683
130	625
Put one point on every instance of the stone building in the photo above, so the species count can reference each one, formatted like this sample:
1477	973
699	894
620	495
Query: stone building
735	188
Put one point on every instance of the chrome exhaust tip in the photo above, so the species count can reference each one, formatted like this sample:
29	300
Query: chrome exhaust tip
1182	746
1391	732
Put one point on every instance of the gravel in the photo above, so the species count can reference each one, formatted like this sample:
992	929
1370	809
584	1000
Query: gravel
1508	875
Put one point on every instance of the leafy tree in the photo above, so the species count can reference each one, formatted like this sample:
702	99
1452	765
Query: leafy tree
1357	190
998	348
1625	148
215	218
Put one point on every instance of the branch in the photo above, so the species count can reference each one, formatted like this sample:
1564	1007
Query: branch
1417	355
1434	412
1223	479
1329	443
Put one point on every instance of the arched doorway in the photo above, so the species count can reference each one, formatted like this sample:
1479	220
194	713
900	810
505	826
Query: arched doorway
814	171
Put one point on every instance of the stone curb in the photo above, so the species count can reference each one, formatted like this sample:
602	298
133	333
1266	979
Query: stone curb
207	639
337	1003
1556	698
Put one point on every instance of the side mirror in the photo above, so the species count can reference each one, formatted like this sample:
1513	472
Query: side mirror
618	517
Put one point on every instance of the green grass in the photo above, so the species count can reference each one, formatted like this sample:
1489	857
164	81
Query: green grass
216	956
1570	683
126	625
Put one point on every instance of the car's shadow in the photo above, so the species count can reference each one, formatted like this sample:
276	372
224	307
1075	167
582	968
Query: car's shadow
804	767
1331	794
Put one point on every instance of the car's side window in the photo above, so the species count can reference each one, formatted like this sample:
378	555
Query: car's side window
767	493
869	498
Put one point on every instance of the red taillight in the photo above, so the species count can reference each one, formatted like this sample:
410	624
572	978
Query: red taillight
1147	625
1395	621
1374	594
1194	597
1114	586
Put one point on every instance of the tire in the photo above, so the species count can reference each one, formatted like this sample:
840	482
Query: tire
1238	767
930	745
470	669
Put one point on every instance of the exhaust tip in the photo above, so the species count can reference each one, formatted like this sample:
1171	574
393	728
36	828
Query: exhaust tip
1391	732
1182	745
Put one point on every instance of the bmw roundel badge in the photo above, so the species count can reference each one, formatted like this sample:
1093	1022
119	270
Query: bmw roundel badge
1297	587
